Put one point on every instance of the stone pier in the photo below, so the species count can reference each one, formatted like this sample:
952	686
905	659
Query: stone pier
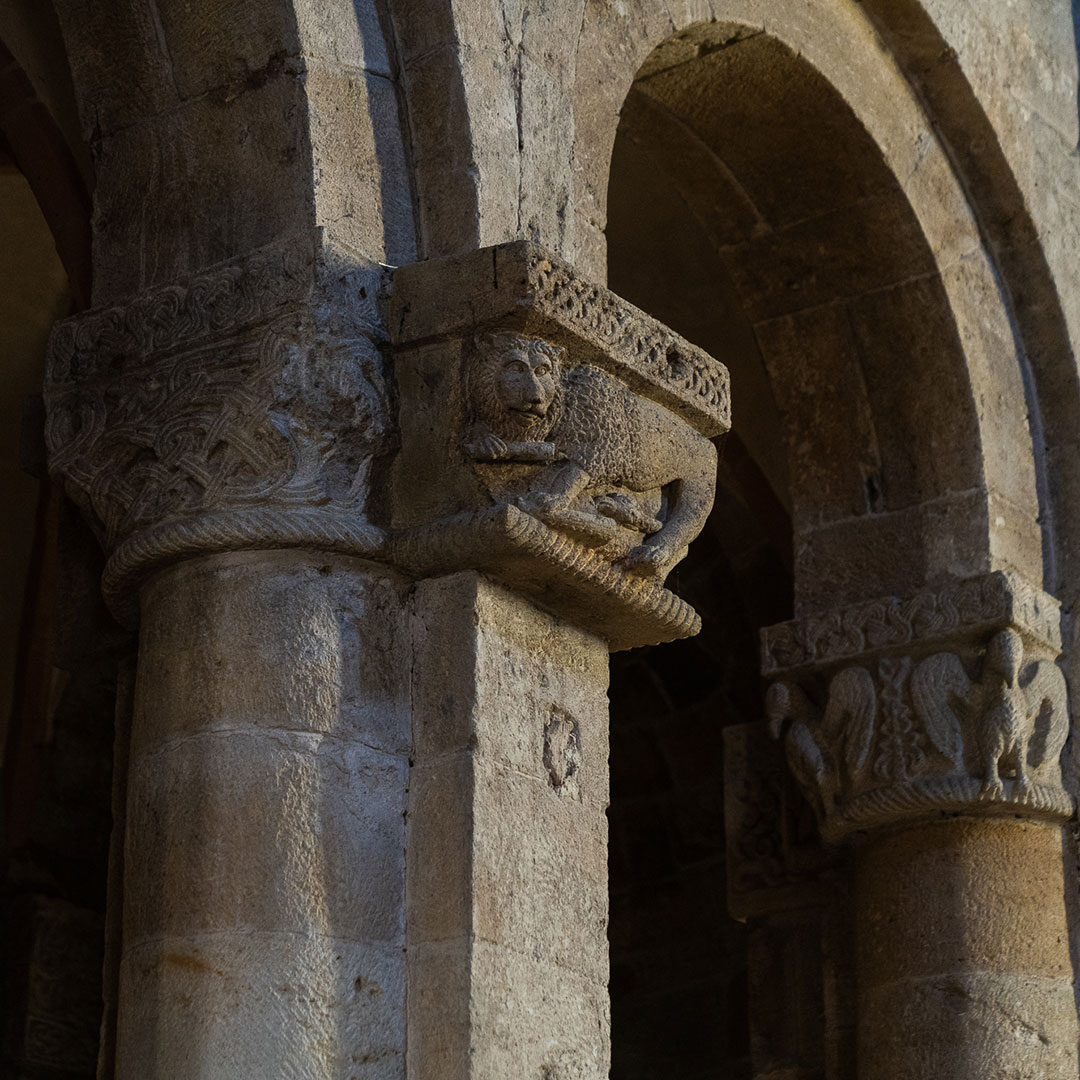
366	780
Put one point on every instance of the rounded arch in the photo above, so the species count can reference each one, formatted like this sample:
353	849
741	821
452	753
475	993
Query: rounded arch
794	211
210	143
836	53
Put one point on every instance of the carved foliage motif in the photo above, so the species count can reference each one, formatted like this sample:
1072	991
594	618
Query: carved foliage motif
579	450
910	737
893	621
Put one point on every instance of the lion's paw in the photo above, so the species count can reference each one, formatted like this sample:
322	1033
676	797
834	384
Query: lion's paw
646	560
487	448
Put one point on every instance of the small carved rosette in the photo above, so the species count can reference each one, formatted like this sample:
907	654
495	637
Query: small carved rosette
975	730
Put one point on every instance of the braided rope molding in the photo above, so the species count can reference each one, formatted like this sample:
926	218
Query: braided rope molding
968	606
326	529
492	539
943	797
469	540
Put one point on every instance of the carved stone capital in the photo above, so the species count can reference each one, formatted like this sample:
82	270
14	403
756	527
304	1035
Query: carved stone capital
552	436
948	702
242	408
546	432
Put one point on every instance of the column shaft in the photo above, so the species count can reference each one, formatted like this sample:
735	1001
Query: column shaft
264	877
963	953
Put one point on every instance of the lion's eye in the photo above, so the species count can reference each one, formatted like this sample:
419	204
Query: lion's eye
543	369
515	366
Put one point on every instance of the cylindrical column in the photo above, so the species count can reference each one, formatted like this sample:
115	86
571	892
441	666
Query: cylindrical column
963	953
265	862
929	734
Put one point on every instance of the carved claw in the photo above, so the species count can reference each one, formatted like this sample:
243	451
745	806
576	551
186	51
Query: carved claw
992	789
487	448
646	560
539	503
625	512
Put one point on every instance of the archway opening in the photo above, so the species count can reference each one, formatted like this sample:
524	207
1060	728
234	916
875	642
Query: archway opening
749	209
58	647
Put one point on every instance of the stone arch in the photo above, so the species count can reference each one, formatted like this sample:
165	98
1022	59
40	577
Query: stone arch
767	216
1000	526
521	140
210	144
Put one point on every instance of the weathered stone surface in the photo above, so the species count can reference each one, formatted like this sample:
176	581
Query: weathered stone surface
520	286
507	866
903	731
775	861
962	932
242	408
553	436
896	196
956	610
264	884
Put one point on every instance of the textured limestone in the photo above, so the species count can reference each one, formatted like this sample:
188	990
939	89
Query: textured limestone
915	416
963	962
270	367
937	749
947	702
507	859
264	860
551	435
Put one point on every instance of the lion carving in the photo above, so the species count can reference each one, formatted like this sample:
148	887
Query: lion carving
592	458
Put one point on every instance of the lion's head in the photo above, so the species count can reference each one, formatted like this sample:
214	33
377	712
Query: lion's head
515	385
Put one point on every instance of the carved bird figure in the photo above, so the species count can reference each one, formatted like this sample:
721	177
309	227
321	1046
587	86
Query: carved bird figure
818	742
1014	720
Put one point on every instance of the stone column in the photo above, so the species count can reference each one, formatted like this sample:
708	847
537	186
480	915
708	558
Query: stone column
220	434
928	733
365	830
